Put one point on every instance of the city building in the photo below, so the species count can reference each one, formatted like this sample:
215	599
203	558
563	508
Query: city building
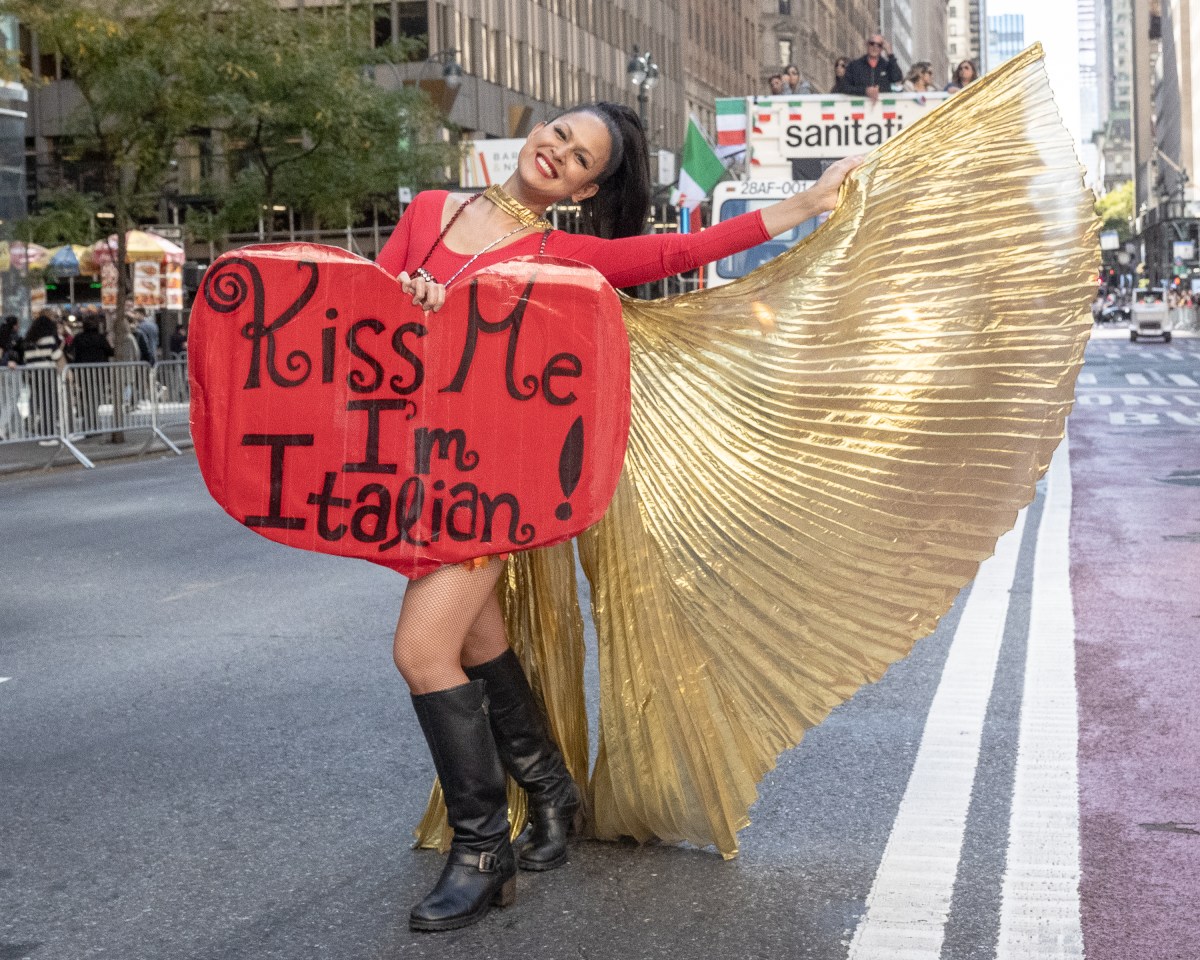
1166	138
720	56
965	29
1090	96
14	286
1005	38
812	34
930	22
522	61
1114	67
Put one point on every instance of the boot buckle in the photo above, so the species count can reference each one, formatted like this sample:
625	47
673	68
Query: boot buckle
487	863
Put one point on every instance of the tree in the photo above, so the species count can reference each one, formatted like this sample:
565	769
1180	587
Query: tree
128	60
61	216
302	122
1115	210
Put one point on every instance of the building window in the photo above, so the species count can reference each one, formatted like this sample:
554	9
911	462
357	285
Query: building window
785	7
785	52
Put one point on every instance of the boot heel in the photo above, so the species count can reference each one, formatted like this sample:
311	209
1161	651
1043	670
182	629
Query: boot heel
506	896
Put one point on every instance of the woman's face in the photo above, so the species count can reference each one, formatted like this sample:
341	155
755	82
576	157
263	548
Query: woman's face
839	68
563	158
793	75
966	72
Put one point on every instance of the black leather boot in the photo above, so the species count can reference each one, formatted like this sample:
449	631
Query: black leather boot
532	759
481	870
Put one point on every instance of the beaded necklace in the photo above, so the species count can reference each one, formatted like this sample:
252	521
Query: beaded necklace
504	202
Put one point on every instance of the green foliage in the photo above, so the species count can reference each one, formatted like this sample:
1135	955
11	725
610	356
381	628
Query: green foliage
1115	210
62	216
287	97
303	122
128	60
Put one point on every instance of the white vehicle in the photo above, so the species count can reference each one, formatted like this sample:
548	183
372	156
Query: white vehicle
789	142
1149	315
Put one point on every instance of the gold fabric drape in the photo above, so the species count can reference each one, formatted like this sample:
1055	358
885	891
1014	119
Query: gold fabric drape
822	453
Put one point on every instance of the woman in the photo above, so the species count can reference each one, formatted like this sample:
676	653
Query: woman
839	76
964	74
920	77
471	697
42	351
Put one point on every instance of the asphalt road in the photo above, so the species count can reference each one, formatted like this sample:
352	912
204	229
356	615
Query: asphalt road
206	751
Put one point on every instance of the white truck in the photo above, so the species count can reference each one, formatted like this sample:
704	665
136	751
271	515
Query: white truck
789	141
1149	314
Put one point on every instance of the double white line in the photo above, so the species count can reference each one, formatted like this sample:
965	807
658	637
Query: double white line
910	899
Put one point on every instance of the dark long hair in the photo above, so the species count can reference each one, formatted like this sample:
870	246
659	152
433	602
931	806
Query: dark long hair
619	208
42	326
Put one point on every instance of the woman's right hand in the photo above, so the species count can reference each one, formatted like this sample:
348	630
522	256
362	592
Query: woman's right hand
426	295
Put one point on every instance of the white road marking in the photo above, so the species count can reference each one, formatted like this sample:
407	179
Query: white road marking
1137	379
5	679
910	897
1183	380
1039	906
1087	378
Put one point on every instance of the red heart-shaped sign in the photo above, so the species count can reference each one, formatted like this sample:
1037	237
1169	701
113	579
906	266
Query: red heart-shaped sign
331	414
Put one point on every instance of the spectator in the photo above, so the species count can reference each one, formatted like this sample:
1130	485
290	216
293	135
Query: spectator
8	334
792	83
149	329
876	70
88	388
145	352
964	74
179	343
90	346
775	84
920	78
839	75
43	347
42	351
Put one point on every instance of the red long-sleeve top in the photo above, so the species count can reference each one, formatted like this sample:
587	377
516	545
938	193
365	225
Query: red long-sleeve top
623	263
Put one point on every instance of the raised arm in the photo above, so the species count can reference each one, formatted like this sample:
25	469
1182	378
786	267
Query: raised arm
633	260
820	198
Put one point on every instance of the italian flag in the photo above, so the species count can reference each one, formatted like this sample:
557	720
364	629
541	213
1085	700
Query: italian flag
700	168
731	122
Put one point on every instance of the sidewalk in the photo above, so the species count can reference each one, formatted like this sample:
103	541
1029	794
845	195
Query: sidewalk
18	458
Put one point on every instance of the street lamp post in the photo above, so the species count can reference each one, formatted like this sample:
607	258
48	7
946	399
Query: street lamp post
643	74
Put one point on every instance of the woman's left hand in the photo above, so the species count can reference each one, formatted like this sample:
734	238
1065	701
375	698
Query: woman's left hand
824	192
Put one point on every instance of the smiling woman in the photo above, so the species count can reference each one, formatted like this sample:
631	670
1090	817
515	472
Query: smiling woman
473	701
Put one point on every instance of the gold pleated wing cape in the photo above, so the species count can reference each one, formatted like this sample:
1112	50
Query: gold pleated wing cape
822	453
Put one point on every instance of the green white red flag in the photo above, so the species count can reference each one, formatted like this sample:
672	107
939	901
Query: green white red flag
700	169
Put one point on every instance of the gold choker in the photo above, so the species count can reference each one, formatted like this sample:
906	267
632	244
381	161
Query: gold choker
499	197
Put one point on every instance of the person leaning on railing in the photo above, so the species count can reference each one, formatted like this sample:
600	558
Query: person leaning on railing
90	346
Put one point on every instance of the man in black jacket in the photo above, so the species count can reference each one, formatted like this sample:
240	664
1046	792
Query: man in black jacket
875	71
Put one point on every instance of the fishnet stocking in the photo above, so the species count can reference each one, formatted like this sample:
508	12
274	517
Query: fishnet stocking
440	612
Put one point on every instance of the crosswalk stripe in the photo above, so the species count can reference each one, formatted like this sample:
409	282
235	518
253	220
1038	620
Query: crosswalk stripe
1183	380
910	897
1137	379
1039	905
1087	378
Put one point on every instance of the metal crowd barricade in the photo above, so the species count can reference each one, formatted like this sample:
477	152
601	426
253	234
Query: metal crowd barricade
29	399
86	399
